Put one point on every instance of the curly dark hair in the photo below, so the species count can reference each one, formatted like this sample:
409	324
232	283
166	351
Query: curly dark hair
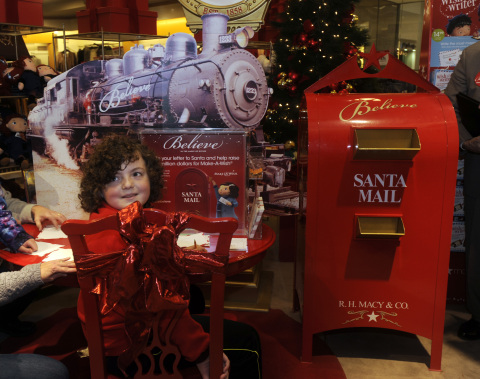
107	159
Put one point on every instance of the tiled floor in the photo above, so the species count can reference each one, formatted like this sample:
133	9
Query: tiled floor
379	353
363	353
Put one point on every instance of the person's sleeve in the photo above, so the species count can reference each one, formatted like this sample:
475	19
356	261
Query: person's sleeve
458	83
15	284
21	211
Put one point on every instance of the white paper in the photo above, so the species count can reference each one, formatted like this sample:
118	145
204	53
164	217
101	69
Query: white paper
200	239
59	254
44	248
50	233
238	244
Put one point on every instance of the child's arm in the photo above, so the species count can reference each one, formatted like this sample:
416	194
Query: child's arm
28	247
12	234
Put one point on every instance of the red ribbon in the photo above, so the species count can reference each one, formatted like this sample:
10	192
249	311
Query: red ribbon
148	276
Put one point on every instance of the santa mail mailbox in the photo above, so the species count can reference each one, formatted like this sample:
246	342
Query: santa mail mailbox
381	183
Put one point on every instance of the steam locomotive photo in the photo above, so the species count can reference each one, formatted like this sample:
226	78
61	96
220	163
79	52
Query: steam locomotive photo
162	87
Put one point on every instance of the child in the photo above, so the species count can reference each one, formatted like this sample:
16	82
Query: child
120	172
226	195
12	234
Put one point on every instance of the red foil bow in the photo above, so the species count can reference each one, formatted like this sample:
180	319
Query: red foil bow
148	276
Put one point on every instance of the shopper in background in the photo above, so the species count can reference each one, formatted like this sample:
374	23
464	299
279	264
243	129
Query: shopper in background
466	79
14	285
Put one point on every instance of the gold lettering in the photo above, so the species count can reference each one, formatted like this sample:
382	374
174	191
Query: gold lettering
363	107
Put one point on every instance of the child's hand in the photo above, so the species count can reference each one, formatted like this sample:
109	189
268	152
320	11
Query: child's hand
204	368
28	247
210	179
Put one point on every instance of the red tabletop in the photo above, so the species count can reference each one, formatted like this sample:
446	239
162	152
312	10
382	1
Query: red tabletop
238	261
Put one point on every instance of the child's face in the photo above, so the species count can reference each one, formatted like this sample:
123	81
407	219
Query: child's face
461	31
131	184
224	190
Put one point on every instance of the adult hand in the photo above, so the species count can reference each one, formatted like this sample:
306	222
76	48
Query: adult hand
52	270
472	145
41	214
204	368
28	247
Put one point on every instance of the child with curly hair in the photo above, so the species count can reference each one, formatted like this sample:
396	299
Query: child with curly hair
119	172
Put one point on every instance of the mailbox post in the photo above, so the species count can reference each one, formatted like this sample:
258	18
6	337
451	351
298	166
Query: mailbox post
381	184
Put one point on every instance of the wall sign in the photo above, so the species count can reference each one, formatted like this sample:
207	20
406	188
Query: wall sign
241	13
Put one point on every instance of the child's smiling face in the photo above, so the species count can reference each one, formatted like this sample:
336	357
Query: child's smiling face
131	184
224	190
461	31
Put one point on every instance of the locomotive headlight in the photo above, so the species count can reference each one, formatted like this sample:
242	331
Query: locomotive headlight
243	35
250	90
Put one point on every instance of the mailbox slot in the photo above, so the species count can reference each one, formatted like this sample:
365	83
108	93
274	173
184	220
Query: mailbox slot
380	227
386	144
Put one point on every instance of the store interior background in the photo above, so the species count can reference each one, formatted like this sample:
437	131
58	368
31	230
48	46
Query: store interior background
393	25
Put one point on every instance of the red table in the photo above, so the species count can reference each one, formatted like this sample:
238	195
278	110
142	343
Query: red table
238	261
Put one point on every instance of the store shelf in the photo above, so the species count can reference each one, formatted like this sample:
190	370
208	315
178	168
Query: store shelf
110	36
18	30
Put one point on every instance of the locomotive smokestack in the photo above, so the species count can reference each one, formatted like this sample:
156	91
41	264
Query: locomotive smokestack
214	25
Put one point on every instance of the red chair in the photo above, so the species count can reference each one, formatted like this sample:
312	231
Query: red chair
76	230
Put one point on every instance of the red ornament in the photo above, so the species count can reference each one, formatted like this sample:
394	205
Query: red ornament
308	26
312	43
302	39
293	75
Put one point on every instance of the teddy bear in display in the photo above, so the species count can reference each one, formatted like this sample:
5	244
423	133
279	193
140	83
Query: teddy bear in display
13	141
10	77
4	85
46	73
30	83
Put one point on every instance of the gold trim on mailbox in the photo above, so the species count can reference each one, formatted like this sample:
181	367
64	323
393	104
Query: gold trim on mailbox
380	227
386	144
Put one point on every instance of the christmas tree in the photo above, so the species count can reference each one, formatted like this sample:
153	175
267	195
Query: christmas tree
315	36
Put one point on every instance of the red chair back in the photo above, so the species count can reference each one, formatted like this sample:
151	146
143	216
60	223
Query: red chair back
77	230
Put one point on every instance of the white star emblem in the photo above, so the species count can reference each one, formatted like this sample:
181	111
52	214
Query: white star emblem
372	317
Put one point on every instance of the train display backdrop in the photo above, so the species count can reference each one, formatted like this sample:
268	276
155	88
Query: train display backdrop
162	88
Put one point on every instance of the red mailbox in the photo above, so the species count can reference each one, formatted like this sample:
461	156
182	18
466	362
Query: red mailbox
381	184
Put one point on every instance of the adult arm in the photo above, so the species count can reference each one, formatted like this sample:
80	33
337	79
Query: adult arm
31	213
14	284
21	211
